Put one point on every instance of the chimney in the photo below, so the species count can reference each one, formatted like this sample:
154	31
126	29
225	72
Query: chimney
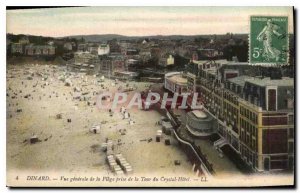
273	72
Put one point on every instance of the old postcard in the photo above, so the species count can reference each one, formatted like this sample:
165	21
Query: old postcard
150	97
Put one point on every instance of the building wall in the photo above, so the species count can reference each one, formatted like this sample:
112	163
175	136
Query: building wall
200	126
68	46
16	48
170	60
264	139
82	47
103	50
174	86
33	50
250	139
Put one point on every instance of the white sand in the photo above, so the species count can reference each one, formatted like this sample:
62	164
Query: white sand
68	147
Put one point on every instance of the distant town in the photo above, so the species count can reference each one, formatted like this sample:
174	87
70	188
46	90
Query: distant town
117	54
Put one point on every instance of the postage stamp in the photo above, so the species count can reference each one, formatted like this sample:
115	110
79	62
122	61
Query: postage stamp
268	41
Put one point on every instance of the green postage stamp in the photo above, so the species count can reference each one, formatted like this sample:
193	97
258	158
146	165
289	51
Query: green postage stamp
268	42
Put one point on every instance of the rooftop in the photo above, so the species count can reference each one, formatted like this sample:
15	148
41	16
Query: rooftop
128	73
212	70
103	45
240	80
199	114
176	77
285	81
232	63
200	62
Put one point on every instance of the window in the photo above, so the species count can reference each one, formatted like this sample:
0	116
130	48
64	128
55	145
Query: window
291	133
272	95
253	161
242	124
249	157
291	147
248	139
255	101
291	162
255	132
290	103
256	161
255	119
249	98
291	119
267	163
242	151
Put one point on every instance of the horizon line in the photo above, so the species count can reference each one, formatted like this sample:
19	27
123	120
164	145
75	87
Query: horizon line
130	35
137	36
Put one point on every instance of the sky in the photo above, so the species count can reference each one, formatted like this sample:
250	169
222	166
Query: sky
137	21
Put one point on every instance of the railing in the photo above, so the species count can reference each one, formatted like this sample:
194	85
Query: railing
200	160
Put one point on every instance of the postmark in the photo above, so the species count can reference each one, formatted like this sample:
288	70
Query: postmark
268	40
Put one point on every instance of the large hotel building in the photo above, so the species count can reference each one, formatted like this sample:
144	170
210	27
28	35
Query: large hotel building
255	114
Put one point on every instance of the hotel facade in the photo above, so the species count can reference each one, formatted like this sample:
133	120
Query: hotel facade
255	114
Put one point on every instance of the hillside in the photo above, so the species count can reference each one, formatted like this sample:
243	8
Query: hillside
106	37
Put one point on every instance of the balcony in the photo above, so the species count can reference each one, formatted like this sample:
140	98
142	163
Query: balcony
200	123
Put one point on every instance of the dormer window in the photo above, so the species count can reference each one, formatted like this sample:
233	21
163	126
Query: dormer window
290	103
249	98
237	88
255	101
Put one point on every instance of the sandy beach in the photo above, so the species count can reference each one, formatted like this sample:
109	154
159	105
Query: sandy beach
37	92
